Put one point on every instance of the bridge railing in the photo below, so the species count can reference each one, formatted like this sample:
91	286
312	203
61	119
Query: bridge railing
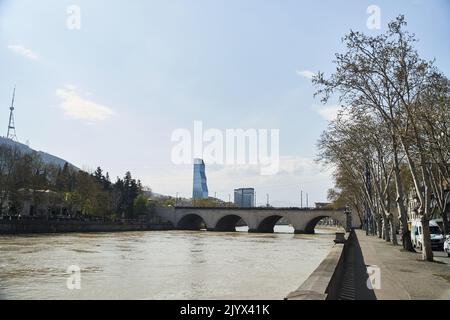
261	208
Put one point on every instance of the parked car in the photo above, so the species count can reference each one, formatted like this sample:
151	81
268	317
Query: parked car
447	245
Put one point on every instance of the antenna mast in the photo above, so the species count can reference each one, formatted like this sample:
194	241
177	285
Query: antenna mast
11	126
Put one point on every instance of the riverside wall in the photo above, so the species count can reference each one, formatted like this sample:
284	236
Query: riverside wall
49	226
326	280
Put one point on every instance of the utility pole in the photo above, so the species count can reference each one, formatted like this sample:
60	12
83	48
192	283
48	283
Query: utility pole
11	134
267	205
301	198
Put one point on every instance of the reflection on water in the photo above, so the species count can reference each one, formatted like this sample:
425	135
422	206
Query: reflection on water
160	265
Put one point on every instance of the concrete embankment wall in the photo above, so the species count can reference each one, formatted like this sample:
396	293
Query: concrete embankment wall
44	226
326	281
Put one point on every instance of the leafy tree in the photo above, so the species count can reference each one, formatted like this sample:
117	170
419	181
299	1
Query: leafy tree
25	175
140	205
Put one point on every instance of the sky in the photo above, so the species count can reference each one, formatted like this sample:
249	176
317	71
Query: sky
112	92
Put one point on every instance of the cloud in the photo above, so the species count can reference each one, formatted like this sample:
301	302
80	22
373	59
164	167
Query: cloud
331	112
306	73
77	107
27	53
328	113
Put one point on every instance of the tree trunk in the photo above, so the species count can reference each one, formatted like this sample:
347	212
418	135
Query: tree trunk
445	222
393	230
360	217
379	225
374	227
427	252
406	240
406	235
386	237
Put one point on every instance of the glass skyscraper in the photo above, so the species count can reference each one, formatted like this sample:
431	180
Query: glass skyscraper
200	188
244	197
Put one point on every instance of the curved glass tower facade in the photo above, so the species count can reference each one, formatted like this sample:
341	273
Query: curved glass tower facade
200	188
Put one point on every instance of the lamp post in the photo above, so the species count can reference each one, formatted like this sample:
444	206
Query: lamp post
348	218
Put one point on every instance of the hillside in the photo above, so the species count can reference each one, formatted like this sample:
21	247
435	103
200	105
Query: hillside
46	157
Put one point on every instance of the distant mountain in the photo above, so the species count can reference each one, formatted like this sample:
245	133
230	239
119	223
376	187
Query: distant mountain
155	196
46	157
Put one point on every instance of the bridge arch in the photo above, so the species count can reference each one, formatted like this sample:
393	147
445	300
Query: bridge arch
228	223
191	221
310	226
267	224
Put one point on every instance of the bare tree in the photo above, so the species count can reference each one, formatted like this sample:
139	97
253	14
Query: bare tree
384	75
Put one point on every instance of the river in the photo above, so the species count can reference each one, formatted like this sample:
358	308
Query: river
160	265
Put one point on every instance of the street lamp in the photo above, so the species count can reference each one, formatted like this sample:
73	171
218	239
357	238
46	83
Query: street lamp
348	216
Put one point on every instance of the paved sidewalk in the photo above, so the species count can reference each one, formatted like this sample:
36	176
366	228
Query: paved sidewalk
403	275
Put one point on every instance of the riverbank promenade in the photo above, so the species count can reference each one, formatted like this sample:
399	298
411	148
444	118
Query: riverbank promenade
403	276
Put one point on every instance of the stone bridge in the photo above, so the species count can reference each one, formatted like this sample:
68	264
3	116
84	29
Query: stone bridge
257	219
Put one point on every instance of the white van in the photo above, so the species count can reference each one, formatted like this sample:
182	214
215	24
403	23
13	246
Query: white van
447	245
437	238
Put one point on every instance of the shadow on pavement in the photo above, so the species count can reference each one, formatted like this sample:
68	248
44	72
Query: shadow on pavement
354	284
